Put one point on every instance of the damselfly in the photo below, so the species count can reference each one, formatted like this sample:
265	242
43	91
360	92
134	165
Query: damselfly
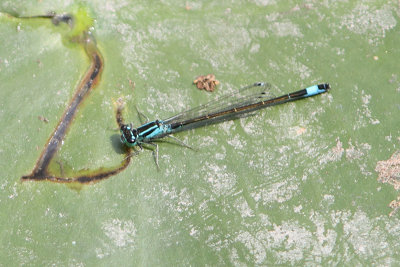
239	104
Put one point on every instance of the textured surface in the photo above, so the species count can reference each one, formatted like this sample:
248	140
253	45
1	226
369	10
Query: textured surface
295	184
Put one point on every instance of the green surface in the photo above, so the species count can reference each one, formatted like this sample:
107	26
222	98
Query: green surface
294	184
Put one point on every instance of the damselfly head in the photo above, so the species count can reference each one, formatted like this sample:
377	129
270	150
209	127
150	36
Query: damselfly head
128	134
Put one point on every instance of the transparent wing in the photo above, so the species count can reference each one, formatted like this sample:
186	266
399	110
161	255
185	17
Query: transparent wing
247	95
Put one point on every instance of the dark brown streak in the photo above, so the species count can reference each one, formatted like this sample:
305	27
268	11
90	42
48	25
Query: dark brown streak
96	176
84	88
41	172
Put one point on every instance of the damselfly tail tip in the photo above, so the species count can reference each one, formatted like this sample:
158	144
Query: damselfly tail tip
324	86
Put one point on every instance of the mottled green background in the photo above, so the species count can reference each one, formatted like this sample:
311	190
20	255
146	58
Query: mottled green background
295	184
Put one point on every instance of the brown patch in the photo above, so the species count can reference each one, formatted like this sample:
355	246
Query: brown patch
132	84
389	172
44	119
206	82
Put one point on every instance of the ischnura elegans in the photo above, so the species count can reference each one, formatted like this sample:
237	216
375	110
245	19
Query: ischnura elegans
232	106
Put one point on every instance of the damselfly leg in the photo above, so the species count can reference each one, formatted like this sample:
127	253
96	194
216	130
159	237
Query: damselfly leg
180	142
155	153
142	116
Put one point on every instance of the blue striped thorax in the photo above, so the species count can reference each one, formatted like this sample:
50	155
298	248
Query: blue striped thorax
143	134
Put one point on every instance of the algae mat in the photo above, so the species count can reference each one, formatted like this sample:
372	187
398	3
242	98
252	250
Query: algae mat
293	184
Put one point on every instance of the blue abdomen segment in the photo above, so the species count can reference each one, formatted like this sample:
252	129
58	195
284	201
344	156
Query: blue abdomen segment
309	91
317	89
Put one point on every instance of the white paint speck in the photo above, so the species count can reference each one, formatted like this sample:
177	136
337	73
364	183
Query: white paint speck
122	233
298	208
286	28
